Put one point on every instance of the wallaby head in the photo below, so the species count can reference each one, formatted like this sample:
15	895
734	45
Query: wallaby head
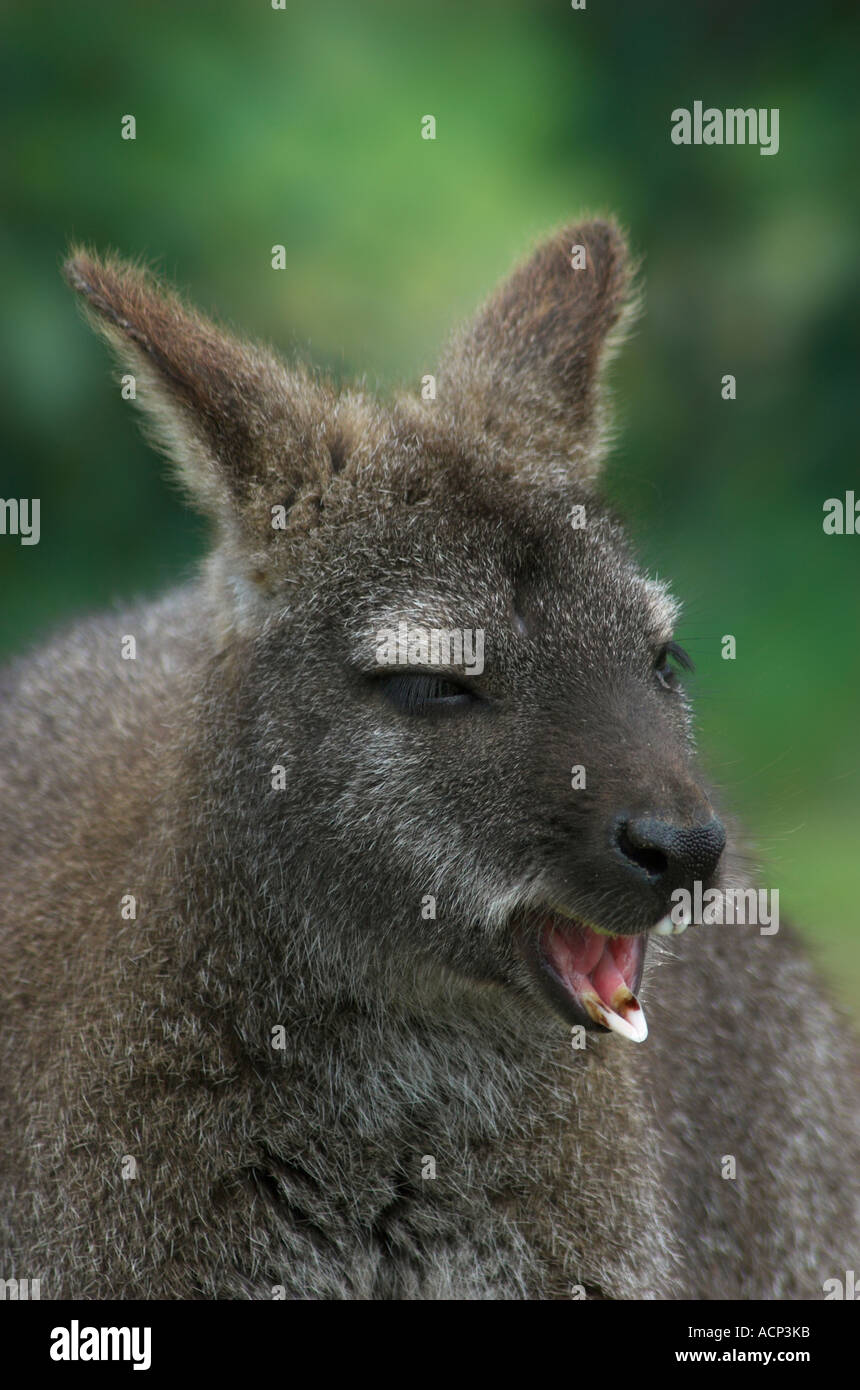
460	750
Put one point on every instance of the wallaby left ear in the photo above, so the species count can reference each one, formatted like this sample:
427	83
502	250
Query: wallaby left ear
244	431
527	369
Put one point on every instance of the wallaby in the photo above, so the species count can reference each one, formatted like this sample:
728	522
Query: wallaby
336	885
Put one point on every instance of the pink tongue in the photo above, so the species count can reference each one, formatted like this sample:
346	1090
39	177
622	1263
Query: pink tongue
607	979
577	950
592	968
591	962
624	951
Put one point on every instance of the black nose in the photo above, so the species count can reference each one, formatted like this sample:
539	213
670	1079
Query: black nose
671	855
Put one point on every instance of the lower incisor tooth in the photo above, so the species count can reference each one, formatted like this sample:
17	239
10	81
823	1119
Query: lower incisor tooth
635	1020
633	1028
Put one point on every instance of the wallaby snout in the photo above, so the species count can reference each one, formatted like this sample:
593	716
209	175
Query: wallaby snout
669	855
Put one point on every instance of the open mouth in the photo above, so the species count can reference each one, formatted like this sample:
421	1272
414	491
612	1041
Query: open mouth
590	976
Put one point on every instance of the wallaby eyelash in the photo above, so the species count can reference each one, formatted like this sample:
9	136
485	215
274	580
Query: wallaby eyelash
673	649
414	692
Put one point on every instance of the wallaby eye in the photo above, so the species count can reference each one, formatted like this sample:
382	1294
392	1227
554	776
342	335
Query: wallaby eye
667	661
418	692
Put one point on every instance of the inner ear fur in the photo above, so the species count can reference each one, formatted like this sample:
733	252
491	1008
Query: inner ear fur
244	431
527	370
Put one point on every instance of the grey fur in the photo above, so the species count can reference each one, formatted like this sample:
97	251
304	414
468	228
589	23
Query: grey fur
406	1038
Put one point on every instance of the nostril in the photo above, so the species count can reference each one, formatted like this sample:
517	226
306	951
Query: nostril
646	856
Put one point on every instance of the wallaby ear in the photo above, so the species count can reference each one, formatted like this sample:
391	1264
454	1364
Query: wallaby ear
245	432
527	369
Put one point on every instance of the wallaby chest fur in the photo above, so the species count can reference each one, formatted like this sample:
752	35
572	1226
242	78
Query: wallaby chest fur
277	1075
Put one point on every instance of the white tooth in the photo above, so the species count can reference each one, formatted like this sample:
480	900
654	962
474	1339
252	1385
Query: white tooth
633	1026
667	926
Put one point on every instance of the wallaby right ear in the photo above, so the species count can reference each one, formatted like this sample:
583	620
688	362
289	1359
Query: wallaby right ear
527	370
244	431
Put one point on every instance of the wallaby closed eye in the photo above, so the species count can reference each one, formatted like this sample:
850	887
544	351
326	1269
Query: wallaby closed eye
418	693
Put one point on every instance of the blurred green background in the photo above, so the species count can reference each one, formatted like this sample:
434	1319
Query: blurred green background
301	127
